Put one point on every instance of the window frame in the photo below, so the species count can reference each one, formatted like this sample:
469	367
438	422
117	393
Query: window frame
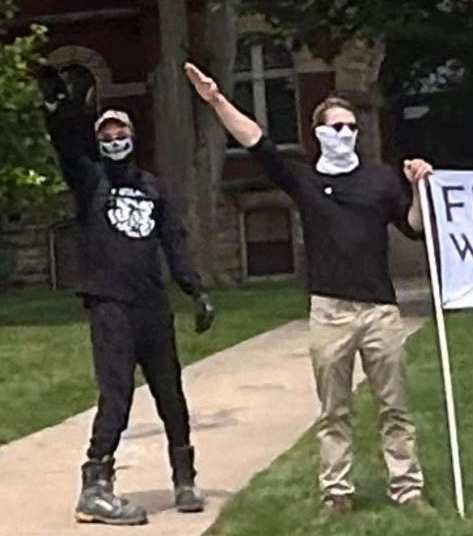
258	75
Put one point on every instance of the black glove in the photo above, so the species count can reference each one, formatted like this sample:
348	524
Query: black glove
204	313
52	87
71	87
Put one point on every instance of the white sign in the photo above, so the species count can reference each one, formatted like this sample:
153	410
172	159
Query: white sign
452	195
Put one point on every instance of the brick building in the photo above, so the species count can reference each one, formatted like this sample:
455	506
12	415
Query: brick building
118	42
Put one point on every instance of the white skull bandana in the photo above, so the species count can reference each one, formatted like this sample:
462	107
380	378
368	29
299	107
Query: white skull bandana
130	212
117	149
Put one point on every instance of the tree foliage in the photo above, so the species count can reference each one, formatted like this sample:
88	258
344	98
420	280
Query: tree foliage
28	174
422	39
427	62
433	30
315	22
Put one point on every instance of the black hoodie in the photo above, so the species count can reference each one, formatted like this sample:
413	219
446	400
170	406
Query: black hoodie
124	217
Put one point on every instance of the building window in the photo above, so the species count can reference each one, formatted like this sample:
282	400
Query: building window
265	88
268	242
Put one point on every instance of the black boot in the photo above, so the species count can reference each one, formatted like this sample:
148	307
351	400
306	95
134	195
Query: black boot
98	504
188	497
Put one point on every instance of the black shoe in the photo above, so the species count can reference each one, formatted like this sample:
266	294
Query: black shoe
97	502
188	498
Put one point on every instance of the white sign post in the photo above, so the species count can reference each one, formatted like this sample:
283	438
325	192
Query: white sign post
444	355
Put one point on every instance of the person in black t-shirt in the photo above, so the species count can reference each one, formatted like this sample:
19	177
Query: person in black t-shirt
346	206
124	217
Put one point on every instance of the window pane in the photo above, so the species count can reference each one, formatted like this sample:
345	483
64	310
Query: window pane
243	98
282	113
243	57
276	56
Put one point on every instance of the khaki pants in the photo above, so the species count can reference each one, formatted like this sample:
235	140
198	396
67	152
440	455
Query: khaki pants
338	329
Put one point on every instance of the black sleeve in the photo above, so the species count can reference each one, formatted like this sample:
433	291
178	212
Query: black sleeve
276	168
173	236
72	136
400	204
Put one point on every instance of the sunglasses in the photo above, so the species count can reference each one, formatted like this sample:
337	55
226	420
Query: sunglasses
107	138
339	126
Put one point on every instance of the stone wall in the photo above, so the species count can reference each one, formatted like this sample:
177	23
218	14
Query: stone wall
30	245
228	249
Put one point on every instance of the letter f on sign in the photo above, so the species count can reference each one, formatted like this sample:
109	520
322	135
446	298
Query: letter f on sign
450	204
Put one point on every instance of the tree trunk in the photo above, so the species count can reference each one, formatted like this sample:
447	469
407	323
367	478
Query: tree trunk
175	136
357	77
190	142
216	52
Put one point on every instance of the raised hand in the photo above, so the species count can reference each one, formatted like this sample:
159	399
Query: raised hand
241	127
67	89
205	86
52	87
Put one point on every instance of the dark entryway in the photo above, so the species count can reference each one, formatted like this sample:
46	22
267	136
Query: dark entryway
269	245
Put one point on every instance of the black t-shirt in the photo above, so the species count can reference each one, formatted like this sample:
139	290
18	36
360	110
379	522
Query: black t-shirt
345	220
124	218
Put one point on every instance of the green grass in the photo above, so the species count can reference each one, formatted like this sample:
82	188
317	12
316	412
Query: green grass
46	369
284	501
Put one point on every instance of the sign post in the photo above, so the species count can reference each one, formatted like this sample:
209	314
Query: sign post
444	354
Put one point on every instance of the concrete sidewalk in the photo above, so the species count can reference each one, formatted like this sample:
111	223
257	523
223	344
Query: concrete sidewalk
249	404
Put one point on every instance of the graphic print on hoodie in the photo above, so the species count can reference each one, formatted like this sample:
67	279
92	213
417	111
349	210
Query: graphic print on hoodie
130	211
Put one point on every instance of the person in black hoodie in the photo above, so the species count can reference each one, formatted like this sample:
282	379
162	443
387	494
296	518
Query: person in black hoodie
124	216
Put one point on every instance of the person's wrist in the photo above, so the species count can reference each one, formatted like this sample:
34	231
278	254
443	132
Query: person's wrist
217	100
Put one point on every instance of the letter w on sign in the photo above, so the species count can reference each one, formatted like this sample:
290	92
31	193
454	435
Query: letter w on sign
452	197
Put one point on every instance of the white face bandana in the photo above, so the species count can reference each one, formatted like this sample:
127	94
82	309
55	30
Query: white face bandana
117	149
338	150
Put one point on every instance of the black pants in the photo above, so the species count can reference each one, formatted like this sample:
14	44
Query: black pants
123	336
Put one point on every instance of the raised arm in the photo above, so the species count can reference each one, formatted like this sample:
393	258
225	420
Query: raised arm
70	125
246	131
